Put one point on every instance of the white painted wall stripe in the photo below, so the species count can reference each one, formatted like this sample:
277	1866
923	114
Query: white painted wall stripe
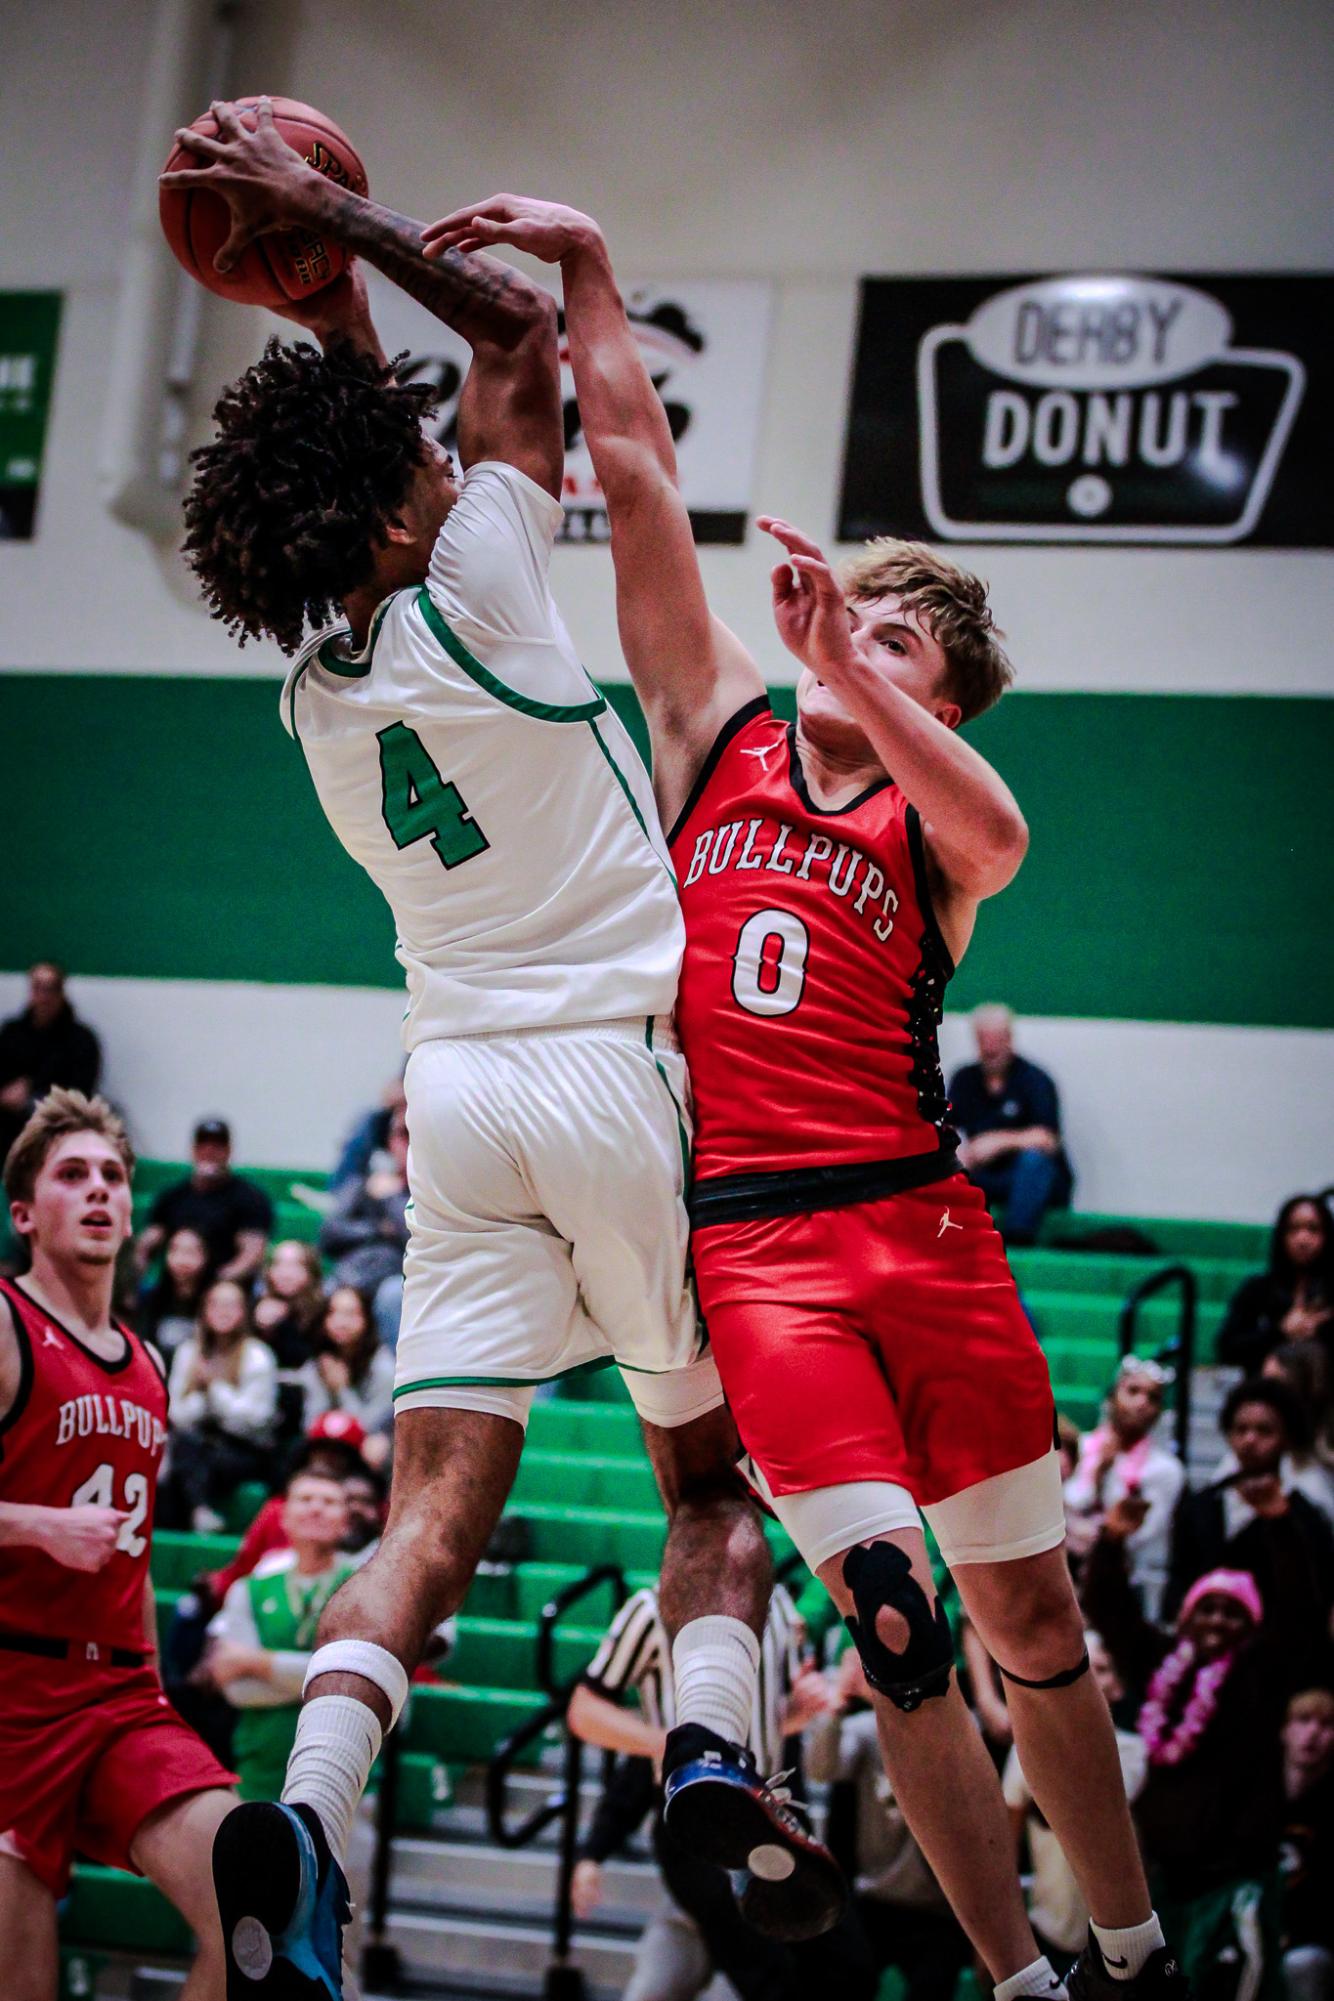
1162	1118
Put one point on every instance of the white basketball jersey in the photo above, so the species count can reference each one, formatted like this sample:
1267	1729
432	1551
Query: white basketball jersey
467	761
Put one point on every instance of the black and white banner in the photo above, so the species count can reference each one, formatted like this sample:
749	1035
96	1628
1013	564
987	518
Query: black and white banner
1102	407
705	341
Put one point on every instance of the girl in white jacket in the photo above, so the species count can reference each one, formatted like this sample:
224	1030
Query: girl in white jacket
223	1399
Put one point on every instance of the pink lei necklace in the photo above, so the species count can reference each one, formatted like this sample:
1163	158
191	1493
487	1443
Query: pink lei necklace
1169	1743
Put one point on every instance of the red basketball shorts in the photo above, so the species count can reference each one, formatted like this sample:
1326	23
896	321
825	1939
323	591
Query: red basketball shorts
86	1754
885	1343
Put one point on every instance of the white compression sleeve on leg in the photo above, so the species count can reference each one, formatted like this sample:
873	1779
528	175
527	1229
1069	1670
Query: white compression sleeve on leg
717	1664
338	1738
337	1741
374	1664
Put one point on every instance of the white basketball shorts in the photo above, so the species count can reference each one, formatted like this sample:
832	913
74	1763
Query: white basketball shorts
548	1228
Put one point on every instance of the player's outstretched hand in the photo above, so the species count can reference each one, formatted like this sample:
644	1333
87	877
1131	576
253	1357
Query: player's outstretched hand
83	1538
253	169
545	229
809	608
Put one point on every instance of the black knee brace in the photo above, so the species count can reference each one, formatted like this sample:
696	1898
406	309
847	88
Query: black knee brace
1061	1680
879	1578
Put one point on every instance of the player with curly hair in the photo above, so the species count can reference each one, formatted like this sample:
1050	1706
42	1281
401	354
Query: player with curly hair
315	455
465	759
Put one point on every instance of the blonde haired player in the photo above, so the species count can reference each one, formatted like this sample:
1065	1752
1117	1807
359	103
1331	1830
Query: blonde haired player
92	1756
464	758
866	1325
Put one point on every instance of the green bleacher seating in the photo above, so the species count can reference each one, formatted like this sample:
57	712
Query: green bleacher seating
503	1652
583	1479
559	1424
1175	1237
464	1725
111	1908
178	1557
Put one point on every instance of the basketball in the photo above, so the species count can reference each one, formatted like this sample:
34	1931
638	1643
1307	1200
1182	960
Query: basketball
287	263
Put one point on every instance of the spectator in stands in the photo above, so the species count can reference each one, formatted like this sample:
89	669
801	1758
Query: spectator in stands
985	1691
1251	1516
336	1456
1308	1846
352	1372
289	1302
635	1655
233	1216
1067	1445
1123	1456
261	1641
222	1405
901	1907
43	1046
366	1232
1058	1913
1008	1112
1212	1807
1294	1299
366	1492
1301	1365
369	1137
169	1307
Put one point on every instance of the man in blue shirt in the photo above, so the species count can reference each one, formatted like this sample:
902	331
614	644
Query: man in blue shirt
1008	1113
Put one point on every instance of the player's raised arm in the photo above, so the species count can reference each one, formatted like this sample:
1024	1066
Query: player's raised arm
689	671
510	409
975	831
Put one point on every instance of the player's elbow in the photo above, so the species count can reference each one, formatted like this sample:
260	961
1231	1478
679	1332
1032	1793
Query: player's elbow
1011	838
999	851
530	323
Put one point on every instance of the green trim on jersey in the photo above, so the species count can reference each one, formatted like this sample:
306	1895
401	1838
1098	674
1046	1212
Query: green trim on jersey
621	780
355	666
291	698
504	1382
542	712
633	803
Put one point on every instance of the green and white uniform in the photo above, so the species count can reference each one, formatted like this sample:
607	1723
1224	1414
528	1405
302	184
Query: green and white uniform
466	760
277	1609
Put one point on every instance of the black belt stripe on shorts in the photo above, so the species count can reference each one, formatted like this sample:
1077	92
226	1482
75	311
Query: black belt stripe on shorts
71	1650
792	1191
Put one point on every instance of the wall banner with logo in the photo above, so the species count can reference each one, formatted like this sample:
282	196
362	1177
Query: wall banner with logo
29	325
705	342
1099	407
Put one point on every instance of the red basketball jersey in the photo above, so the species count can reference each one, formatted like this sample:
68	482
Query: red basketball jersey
812	985
82	1431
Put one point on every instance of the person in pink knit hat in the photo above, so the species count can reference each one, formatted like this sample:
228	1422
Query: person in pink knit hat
1210	1813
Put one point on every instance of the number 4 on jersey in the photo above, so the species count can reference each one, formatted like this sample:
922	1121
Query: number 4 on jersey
417	802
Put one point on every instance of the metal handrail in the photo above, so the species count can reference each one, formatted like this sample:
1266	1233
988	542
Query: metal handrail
563	1982
556	1608
1180	1351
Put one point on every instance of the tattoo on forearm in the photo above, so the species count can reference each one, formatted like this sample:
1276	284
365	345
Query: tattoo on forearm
477	296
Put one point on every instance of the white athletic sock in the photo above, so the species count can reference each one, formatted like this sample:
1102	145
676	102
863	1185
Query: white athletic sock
1039	1978
337	1741
717	1666
1124	1952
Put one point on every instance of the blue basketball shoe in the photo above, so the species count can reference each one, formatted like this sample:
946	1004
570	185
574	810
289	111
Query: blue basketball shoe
283	1902
717	1807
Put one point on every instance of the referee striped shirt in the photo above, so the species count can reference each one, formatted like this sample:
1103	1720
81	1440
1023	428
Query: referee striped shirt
637	1654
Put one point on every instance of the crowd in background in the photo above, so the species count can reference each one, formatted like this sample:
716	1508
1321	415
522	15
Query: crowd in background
1209	1607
